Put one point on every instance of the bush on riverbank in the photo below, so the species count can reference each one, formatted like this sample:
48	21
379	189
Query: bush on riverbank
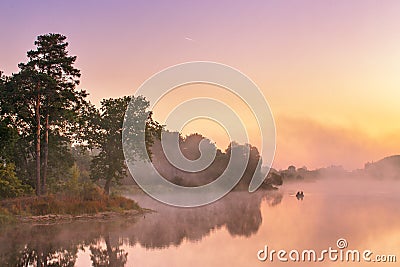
10	185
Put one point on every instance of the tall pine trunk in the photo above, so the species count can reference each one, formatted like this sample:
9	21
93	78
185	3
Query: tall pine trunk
107	187
37	113
46	155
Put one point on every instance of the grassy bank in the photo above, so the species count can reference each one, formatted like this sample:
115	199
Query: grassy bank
91	201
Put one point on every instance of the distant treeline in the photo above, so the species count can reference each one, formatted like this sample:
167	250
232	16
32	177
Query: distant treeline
386	168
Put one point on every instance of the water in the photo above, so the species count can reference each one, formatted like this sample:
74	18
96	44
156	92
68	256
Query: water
229	232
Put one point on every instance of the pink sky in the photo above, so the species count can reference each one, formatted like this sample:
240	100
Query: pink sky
329	69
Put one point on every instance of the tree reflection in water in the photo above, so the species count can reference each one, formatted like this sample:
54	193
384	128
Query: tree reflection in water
58	244
108	256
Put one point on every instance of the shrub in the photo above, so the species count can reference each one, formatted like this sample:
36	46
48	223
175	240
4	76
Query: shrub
10	185
92	192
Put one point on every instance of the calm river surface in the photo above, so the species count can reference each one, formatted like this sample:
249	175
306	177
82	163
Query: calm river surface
229	232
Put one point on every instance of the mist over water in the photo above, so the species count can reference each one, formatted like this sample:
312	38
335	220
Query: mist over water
229	232
363	211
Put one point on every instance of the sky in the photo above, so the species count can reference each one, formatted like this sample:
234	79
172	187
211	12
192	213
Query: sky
328	69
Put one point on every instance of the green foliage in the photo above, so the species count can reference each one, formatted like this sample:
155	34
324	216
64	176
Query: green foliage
10	185
40	103
8	140
105	134
74	197
73	184
108	164
60	163
82	158
61	100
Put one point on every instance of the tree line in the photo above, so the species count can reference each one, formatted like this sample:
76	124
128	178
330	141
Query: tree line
51	135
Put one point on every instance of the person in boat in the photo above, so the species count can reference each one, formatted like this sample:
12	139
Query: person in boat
299	195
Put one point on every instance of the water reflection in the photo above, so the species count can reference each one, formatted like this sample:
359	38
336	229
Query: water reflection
105	242
111	255
227	233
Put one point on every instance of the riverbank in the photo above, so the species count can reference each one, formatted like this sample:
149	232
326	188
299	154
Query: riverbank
66	218
64	208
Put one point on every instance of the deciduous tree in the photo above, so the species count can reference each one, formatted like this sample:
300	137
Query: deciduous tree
106	135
